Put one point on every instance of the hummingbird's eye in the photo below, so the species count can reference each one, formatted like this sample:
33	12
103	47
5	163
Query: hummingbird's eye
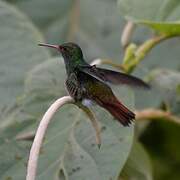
62	48
65	49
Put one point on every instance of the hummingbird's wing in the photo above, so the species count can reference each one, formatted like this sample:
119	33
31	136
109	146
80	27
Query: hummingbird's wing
101	93
114	77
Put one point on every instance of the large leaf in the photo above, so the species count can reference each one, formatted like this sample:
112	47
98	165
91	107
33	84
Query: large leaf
44	11
100	37
18	51
58	19
163	16
12	151
81	153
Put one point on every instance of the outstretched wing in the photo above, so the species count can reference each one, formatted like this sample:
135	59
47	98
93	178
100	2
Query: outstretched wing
102	94
114	77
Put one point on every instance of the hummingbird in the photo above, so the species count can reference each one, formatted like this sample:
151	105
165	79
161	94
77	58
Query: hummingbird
88	83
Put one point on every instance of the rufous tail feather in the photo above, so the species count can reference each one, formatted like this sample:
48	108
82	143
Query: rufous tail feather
118	111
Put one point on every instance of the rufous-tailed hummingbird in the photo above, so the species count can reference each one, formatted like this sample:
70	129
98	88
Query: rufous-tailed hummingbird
90	83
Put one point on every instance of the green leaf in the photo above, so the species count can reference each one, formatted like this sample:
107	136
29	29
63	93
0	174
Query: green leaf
138	165
51	10
60	158
60	23
167	81
162	16
168	28
100	37
13	152
77	163
18	51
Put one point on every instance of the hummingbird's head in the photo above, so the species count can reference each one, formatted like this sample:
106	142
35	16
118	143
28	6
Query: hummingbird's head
70	51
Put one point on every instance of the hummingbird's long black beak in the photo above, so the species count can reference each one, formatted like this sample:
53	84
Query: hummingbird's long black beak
49	45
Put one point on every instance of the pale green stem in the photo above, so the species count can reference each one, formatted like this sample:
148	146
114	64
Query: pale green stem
154	114
131	61
133	54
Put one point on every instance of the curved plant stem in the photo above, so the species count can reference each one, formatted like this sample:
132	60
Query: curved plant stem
35	149
134	54
139	53
38	140
155	114
94	122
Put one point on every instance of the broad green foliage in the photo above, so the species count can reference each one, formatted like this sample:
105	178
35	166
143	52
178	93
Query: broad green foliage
84	138
76	151
100	37
162	16
97	27
18	51
44	84
69	150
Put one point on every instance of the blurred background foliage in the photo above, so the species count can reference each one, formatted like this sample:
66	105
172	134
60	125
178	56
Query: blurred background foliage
33	77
